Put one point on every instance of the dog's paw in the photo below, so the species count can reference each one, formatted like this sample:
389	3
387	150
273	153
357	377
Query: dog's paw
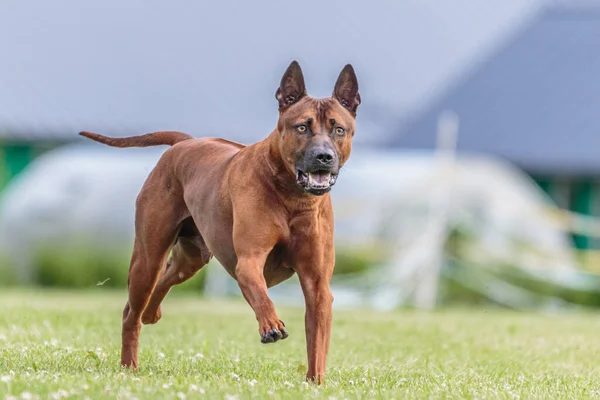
273	335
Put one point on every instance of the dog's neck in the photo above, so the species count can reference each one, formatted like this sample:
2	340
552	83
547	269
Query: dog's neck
272	156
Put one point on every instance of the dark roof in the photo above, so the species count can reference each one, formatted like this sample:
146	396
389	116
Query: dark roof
535	102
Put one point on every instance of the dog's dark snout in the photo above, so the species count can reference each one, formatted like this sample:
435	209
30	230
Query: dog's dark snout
325	156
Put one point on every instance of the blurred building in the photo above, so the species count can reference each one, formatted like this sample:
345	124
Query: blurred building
535	102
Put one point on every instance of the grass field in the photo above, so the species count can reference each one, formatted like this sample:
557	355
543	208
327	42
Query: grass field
66	344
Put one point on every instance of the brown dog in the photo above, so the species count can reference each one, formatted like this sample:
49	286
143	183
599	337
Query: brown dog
262	210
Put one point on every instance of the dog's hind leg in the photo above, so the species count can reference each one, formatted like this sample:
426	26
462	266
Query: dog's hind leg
155	233
189	255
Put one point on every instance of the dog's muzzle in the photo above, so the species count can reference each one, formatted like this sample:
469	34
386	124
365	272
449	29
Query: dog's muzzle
318	170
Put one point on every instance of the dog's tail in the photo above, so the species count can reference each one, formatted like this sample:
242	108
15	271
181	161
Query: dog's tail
150	139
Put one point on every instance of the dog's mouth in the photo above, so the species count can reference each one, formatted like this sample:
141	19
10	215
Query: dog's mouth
316	182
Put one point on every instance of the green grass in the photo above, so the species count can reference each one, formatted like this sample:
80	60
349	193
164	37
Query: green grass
54	344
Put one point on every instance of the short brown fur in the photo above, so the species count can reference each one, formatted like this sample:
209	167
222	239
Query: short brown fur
244	206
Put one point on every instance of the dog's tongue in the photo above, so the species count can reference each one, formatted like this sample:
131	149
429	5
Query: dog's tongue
319	178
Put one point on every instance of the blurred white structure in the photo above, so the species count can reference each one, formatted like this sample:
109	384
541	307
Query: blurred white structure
70	196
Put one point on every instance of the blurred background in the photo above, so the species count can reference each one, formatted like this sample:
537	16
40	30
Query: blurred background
475	178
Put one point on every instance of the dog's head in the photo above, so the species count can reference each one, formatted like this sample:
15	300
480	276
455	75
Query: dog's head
316	134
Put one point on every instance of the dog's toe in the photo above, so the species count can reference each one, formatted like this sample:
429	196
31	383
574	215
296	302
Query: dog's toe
266	338
284	333
276	333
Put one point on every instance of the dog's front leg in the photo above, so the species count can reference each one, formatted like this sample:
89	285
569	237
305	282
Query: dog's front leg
314	262
250	277
318	299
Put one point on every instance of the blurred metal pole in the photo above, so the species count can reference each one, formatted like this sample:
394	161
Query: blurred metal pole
439	207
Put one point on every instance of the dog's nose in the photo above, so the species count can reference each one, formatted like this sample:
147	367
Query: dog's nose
325	156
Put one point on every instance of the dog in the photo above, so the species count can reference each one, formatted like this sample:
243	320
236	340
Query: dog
263	210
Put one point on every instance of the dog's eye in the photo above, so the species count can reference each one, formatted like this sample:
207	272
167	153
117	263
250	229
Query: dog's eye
340	131
301	128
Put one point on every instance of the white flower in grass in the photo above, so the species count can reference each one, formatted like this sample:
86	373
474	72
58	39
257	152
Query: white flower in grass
181	395
252	382
136	379
27	396
401	382
230	397
288	384
235	376
161	355
166	385
304	385
85	386
6	378
351	382
101	355
179	351
202	391
193	388
59	395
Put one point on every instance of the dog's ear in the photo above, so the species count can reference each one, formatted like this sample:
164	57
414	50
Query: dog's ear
292	88
346	89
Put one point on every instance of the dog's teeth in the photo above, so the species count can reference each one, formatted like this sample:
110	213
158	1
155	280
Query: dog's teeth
310	178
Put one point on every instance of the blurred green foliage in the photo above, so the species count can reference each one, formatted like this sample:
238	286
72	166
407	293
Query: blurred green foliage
540	291
8	276
83	268
352	262
86	268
